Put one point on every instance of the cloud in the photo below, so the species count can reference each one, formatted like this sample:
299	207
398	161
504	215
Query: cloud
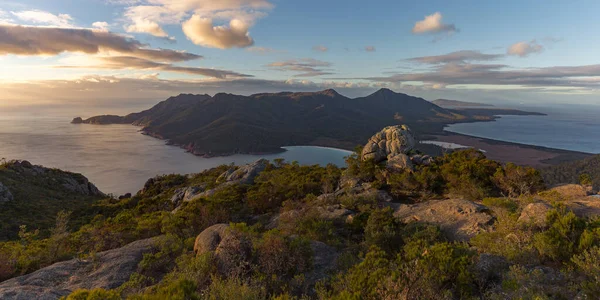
433	24
320	48
217	24
523	49
458	56
129	62
25	40
466	74
44	18
370	49
201	31
101	26
262	50
307	67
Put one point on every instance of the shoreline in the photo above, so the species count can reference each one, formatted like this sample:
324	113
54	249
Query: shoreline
521	154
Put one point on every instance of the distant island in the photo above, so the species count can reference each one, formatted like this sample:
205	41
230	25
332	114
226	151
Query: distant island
456	103
227	124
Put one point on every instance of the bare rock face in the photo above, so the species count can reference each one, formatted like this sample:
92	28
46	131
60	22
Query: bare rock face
186	194
459	219
108	270
535	213
209	239
399	162
81	186
246	174
390	141
5	194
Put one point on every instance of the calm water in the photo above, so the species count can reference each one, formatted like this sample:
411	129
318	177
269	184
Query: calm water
569	127
117	158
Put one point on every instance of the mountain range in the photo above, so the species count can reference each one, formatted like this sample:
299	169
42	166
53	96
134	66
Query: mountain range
226	124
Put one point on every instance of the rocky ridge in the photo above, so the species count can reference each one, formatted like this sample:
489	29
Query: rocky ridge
107	270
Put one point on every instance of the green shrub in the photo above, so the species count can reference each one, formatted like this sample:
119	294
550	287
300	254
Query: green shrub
383	230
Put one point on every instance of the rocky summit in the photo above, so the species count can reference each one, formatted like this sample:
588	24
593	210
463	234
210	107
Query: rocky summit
393	145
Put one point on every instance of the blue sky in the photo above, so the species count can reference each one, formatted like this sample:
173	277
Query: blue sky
490	51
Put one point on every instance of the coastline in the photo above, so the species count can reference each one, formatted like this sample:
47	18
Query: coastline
521	154
503	151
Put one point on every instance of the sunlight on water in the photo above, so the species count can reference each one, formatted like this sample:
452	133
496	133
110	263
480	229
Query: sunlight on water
117	158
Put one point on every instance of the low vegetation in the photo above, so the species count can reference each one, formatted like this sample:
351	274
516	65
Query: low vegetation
279	226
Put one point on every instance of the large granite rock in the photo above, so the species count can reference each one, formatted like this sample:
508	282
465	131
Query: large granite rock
209	239
5	194
246	174
108	270
535	213
399	162
390	141
459	219
186	194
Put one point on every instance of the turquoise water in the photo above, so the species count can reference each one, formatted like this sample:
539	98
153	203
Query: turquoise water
117	158
568	127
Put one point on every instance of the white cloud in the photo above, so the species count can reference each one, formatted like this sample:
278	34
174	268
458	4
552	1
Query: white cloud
101	26
523	49
44	18
145	26
201	31
320	48
433	24
217	24
370	49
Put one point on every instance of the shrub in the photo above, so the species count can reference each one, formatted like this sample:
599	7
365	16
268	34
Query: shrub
383	230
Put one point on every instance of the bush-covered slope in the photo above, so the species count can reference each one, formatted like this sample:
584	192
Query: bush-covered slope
285	231
39	194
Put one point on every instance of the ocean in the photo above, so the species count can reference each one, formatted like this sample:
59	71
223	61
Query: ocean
569	127
118	158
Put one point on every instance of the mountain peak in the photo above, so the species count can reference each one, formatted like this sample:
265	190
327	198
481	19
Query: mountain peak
329	92
384	91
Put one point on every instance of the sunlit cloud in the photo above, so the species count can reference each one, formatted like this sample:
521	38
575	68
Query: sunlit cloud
524	49
25	40
216	24
40	17
306	67
101	26
433	24
201	31
457	56
370	49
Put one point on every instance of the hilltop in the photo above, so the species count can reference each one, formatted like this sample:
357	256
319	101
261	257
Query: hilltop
226	124
32	195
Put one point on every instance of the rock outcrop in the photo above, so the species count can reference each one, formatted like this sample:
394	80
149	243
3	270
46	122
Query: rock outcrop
245	174
81	186
108	270
458	219
390	141
209	239
186	194
5	194
535	213
393	145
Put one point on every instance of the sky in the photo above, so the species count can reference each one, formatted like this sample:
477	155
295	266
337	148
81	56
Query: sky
82	52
